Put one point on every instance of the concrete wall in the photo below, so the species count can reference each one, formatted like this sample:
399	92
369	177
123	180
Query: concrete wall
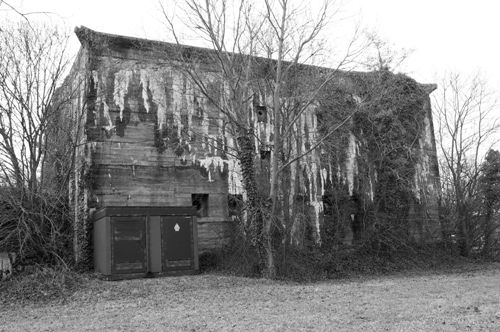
153	139
148	142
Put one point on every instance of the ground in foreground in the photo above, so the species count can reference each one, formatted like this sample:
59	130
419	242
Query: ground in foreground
467	300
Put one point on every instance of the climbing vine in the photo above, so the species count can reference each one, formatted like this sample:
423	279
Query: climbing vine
386	125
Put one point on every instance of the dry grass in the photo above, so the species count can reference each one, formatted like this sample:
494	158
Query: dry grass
466	300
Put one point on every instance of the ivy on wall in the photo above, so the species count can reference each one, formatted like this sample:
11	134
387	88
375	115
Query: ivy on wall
386	123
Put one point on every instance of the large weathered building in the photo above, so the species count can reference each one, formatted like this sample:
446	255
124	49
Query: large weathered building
150	138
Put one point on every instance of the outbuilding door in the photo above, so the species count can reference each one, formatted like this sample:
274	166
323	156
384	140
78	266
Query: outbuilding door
177	242
128	245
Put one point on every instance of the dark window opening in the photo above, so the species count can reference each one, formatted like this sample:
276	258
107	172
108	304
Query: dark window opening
234	204
200	202
327	206
265	154
261	113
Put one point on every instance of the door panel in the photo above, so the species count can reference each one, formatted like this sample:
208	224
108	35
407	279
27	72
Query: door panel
177	243
128	244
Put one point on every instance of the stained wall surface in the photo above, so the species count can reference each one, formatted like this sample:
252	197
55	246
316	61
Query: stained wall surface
152	139
149	143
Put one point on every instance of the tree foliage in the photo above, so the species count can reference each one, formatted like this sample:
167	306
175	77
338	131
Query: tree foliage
489	188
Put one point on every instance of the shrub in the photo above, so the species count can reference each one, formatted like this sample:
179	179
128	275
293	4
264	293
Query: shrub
35	226
40	284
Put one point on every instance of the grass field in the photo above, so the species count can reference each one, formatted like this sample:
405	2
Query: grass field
461	301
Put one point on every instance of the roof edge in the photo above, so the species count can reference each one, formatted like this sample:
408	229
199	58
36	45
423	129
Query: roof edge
97	40
429	87
100	41
86	35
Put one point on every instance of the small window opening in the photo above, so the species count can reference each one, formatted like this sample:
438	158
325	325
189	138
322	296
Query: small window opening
261	113
265	151
265	154
200	202
327	206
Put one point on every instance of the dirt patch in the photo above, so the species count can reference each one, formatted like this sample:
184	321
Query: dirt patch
469	300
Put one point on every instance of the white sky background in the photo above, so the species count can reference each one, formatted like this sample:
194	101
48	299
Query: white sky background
445	35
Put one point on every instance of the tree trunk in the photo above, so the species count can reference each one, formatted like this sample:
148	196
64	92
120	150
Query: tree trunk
487	233
464	244
255	217
273	194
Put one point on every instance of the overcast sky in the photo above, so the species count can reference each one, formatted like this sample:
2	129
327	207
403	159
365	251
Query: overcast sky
446	35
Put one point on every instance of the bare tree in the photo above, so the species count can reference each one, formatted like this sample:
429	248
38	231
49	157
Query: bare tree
32	67
295	89
258	59
227	83
381	54
466	129
17	11
33	64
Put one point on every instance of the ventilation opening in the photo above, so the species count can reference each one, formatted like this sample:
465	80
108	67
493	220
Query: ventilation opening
200	202
261	113
265	154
